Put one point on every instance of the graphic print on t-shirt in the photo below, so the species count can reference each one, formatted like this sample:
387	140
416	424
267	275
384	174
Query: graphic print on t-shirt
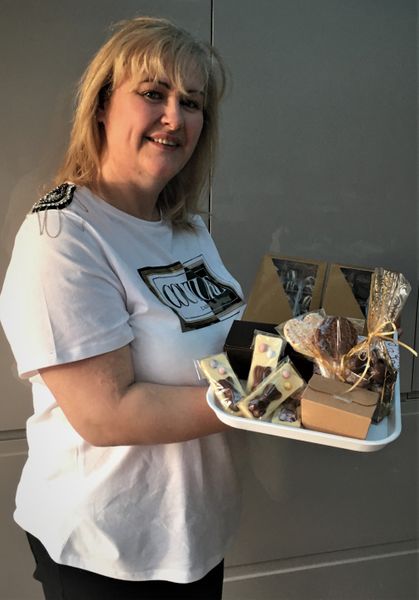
192	292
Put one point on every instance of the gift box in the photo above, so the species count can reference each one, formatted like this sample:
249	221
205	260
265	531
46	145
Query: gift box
327	405
238	347
286	287
346	291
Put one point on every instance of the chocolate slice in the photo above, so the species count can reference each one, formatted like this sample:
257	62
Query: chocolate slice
231	395
260	403
335	336
259	374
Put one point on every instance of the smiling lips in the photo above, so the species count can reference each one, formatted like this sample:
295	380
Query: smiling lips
164	141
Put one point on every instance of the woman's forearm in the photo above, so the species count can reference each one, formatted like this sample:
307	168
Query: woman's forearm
156	414
107	407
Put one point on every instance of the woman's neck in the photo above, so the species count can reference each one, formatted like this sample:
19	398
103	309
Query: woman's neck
128	198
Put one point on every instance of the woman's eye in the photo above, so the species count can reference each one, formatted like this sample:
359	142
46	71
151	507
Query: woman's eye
191	104
152	95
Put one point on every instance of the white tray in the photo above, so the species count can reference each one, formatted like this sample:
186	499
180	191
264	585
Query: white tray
378	435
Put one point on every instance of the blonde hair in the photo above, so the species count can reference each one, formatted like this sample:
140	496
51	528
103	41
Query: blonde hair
155	47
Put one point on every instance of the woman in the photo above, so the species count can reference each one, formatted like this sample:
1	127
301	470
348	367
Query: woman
113	292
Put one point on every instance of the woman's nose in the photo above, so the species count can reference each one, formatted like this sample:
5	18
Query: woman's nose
173	115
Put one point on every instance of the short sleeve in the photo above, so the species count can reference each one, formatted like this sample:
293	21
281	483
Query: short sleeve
61	299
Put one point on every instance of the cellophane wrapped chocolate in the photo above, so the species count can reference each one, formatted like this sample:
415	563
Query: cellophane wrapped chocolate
322	339
369	363
333	343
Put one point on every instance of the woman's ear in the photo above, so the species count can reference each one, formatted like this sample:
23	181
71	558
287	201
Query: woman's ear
104	95
100	114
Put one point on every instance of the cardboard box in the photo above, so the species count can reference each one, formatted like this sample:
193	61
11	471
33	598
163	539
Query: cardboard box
327	406
286	287
346	291
238	347
238	344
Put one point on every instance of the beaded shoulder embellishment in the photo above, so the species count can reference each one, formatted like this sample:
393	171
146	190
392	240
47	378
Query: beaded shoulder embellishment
58	198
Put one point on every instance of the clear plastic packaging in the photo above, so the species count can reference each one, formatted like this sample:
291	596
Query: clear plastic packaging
298	280
288	413
282	383
369	363
223	381
333	342
299	332
267	350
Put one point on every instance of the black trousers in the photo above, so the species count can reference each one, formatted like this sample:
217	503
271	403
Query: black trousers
61	582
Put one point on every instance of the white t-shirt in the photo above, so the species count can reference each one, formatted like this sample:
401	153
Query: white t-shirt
86	278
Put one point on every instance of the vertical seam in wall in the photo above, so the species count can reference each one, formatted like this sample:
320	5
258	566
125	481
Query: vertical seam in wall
210	174
412	383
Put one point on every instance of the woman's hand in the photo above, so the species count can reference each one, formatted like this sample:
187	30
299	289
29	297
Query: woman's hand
107	407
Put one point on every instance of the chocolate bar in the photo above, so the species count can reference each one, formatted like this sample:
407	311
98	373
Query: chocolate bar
223	381
288	413
273	391
267	350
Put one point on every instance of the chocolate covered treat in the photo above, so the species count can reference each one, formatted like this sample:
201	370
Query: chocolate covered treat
267	350
299	332
334	337
378	368
223	381
354	370
288	413
382	378
282	383
258	406
230	392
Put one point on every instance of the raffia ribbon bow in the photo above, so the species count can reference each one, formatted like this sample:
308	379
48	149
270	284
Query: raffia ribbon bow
365	345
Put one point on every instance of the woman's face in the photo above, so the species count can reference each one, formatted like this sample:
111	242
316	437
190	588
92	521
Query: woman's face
151	130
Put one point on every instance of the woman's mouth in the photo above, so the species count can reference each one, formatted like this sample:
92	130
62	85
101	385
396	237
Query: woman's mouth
163	141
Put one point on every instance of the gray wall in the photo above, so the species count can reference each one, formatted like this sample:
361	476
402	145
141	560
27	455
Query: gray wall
319	140
318	159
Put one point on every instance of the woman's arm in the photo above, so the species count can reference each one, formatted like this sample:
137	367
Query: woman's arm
105	405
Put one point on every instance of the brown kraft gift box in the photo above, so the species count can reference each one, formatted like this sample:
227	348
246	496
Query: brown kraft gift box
283	282
269	299
327	406
346	291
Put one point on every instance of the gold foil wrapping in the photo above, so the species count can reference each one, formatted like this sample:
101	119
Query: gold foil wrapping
367	363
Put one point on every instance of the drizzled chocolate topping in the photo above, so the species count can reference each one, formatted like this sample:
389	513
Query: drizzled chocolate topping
259	374
335	336
231	395
260	403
